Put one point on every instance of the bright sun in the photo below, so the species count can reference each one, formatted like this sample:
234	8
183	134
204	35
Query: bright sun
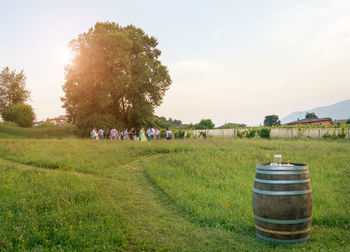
65	56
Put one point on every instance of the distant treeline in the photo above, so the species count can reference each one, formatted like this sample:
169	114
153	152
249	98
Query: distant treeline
162	122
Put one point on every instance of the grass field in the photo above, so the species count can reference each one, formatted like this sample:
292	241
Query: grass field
10	130
189	195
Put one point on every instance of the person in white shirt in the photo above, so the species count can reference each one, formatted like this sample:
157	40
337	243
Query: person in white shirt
100	134
157	134
149	133
153	133
113	134
168	134
94	134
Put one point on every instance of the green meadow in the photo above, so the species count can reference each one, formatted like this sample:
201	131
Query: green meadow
11	130
182	195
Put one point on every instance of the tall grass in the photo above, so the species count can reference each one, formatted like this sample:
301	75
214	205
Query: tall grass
213	185
9	130
87	156
192	195
42	209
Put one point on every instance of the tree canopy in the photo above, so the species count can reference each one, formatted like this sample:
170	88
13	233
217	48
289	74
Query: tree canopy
12	88
272	120
162	122
310	115
115	74
204	124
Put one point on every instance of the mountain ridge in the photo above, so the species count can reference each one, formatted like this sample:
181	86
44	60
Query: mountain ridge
336	111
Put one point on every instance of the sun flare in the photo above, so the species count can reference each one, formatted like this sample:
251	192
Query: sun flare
65	56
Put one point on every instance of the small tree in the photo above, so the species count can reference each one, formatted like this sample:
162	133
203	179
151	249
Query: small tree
204	124
20	113
272	120
348	121
310	115
12	88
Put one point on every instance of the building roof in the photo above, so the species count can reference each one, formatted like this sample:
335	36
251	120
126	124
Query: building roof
342	121
310	120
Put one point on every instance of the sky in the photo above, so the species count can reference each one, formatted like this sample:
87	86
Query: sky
231	61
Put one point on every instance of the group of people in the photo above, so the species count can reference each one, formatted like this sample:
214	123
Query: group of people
142	135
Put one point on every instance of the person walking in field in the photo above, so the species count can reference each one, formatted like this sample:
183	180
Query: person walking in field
94	134
149	132
137	136
153	133
143	135
157	133
113	134
125	134
108	134
100	134
168	134
131	134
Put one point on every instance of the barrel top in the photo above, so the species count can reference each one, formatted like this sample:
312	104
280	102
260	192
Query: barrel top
297	166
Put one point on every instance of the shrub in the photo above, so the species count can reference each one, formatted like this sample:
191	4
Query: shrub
20	113
162	134
340	135
189	134
250	133
330	136
203	134
48	124
179	134
264	133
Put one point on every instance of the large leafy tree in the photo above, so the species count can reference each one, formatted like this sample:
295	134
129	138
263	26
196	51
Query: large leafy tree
272	120
116	74
12	88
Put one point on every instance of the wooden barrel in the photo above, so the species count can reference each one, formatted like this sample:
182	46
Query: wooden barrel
282	202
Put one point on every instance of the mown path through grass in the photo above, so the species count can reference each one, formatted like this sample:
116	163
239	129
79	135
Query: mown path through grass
148	218
156	224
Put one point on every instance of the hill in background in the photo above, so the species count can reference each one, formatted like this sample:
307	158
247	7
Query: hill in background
340	110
